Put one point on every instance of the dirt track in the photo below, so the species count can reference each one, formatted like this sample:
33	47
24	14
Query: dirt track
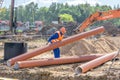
66	72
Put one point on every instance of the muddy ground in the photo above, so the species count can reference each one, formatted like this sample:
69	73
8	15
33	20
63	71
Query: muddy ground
103	45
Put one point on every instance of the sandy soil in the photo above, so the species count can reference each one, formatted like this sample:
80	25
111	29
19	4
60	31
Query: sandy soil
103	45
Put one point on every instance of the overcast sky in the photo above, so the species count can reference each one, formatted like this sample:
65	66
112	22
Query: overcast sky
70	2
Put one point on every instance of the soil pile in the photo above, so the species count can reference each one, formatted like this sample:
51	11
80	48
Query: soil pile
88	46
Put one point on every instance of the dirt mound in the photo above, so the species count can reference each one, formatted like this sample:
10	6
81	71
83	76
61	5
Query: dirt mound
111	29
90	46
50	29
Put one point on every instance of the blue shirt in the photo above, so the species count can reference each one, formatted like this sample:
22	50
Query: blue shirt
54	36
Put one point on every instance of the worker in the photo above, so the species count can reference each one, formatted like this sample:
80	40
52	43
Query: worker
57	36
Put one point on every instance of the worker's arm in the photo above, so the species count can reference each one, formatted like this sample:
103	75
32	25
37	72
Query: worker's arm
54	36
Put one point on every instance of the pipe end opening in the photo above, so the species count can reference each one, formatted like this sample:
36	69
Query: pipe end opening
78	70
16	66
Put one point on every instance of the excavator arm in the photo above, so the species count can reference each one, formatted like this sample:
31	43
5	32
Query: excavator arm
98	16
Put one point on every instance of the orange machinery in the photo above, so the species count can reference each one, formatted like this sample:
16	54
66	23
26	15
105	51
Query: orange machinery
98	16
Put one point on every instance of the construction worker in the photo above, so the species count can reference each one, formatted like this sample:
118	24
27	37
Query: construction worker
57	36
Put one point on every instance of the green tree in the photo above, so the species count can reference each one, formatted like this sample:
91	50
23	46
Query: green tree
43	14
20	15
4	13
66	17
31	12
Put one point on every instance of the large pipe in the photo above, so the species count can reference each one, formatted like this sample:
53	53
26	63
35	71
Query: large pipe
94	63
54	61
55	45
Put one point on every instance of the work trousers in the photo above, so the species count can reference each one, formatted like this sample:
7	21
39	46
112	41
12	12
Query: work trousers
56	53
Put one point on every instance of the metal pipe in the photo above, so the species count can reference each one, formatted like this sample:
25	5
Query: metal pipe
55	45
55	61
94	63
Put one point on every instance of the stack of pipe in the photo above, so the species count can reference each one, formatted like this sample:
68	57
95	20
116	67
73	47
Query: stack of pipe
55	61
55	45
20	63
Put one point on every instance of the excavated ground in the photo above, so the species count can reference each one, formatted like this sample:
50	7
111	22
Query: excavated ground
102	45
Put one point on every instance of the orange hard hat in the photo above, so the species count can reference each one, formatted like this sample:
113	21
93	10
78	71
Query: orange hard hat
63	30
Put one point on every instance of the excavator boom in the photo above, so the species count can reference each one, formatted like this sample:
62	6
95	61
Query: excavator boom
98	16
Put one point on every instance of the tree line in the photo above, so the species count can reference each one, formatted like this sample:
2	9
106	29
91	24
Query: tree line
78	13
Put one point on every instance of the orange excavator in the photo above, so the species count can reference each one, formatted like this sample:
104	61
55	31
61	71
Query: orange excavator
97	16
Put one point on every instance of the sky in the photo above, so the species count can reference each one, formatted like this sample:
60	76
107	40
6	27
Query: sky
70	2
